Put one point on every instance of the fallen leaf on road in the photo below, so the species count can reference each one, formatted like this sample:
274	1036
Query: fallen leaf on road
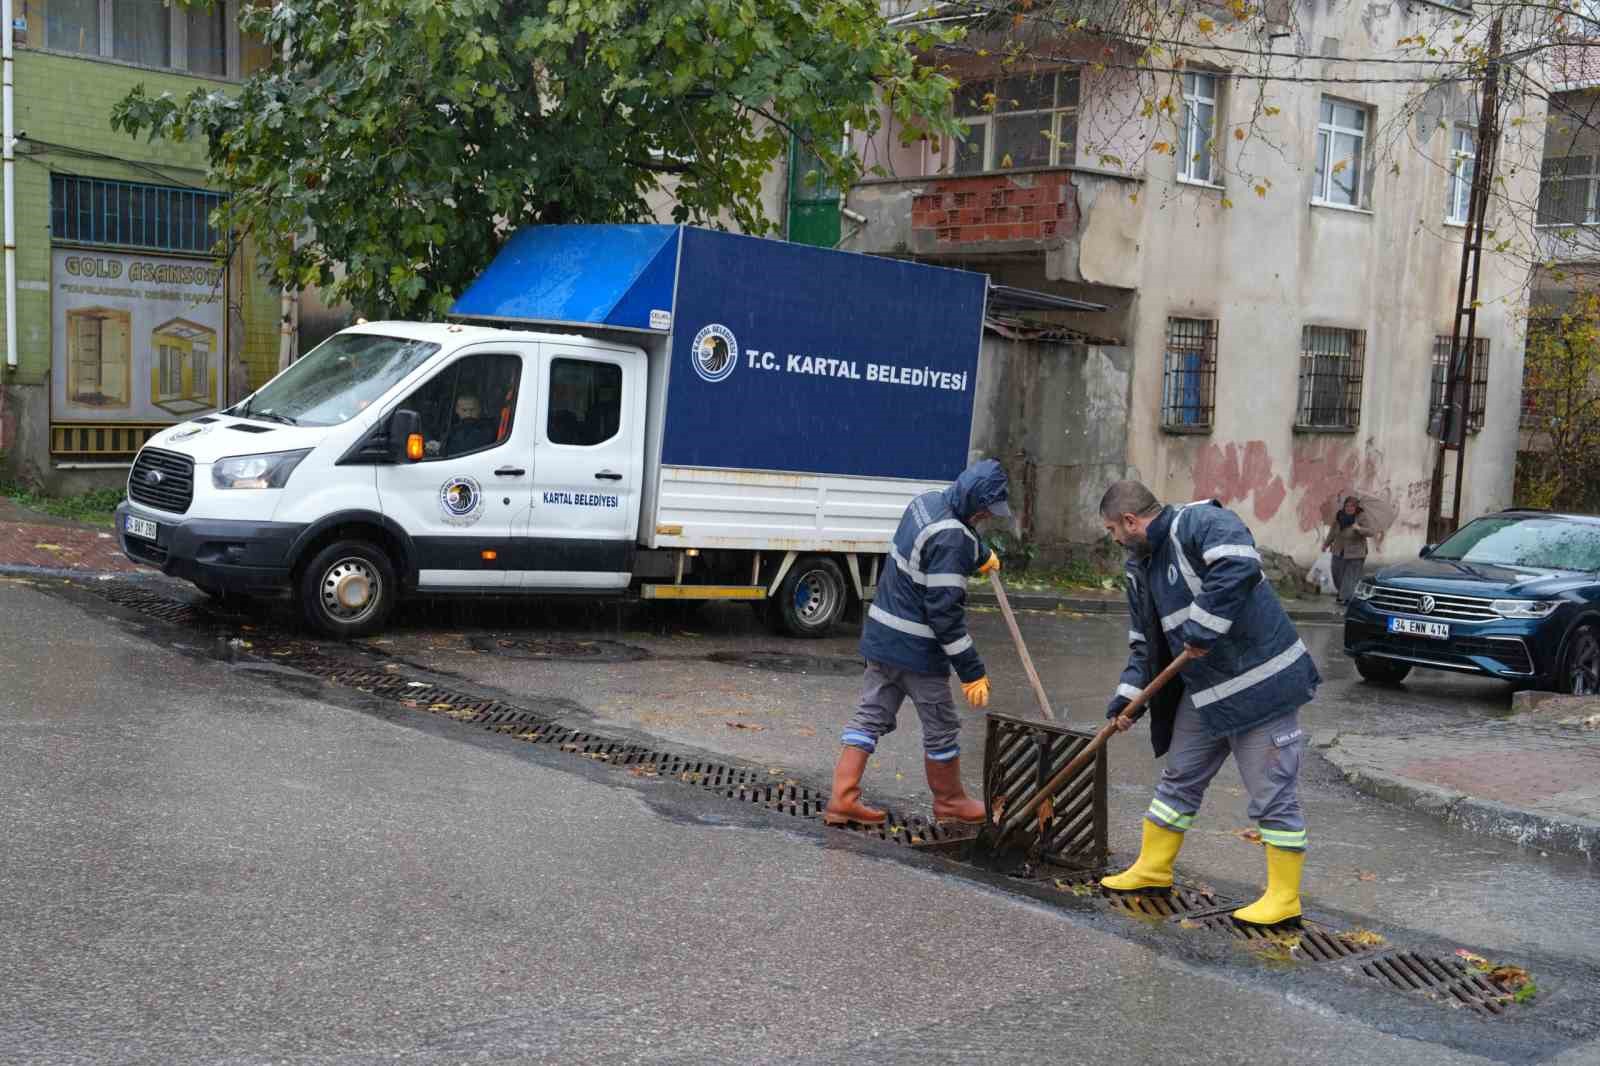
746	725
413	704
1510	978
1365	937
1366	875
805	731
643	771
998	806
440	706
1188	924
1046	812
1477	962
49	547
1253	836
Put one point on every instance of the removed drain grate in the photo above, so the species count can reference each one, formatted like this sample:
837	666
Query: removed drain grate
555	650
1019	758
1448	980
783	663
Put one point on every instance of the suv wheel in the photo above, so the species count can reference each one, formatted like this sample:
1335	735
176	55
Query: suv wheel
1381	671
1580	672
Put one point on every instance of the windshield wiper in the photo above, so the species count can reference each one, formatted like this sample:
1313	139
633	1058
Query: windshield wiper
273	416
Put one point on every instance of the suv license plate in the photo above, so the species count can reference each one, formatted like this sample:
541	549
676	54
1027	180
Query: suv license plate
139	527
1436	630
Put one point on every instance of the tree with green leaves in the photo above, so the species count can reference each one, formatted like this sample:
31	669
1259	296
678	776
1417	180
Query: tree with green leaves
399	144
1560	465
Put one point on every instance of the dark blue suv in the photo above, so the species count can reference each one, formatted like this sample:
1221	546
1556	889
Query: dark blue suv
1514	595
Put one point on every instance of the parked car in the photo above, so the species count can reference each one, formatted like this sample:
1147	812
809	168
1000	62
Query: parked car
1513	595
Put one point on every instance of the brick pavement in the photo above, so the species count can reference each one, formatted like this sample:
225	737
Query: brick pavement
31	539
1538	785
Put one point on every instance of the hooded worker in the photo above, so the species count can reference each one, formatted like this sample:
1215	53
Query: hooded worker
1195	583
915	634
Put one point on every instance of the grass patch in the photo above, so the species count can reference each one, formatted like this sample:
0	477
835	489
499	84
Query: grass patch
91	507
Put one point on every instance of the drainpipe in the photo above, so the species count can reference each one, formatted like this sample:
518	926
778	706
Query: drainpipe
10	164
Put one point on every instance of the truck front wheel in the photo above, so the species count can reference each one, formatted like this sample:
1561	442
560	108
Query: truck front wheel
812	597
348	589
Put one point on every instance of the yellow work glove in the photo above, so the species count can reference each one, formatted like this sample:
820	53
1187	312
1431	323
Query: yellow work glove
977	692
992	566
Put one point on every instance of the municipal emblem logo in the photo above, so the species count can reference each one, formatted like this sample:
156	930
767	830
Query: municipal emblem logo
461	501
715	352
186	433
1172	574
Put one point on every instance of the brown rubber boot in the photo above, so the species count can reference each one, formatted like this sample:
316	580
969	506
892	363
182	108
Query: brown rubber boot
844	801
950	801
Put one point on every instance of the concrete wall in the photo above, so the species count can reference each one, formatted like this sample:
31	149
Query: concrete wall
1055	413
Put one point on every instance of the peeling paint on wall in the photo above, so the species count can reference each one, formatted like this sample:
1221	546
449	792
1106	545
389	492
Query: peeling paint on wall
1322	469
1224	473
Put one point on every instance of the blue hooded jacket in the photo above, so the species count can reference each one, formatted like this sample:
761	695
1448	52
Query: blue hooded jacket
918	620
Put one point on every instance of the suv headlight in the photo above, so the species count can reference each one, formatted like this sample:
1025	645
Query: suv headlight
1524	608
269	471
1365	588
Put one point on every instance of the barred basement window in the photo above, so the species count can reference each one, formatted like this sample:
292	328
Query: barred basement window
1331	365
1188	388
1477	375
132	214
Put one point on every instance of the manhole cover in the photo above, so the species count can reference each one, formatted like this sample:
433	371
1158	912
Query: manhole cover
783	663
555	649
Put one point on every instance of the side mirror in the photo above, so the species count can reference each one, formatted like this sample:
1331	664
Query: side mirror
405	436
1426	550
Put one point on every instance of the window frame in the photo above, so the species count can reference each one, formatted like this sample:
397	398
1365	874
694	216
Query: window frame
1590	177
1183	341
1460	187
453	369
549	398
1328	132
1351	381
987	120
104	48
1191	154
1477	382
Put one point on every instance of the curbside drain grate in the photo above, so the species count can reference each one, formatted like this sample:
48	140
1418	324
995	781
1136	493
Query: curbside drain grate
1016	758
1446	980
783	663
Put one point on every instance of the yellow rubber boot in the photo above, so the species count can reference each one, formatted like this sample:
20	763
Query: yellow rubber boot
1153	868
1281	900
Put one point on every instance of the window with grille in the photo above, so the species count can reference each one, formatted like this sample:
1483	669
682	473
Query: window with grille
1188	386
132	215
1477	383
1331	365
1026	121
1567	188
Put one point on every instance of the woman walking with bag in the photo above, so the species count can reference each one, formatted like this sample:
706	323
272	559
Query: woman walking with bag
1347	539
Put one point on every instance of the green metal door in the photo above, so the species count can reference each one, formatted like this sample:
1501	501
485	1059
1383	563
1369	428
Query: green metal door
813	199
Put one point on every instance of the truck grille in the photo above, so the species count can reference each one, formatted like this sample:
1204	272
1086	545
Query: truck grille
163	480
1445	608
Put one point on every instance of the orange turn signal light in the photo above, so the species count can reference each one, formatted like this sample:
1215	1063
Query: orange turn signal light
414	447
489	556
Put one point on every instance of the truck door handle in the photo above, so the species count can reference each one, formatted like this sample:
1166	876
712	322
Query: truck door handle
606	475
510	471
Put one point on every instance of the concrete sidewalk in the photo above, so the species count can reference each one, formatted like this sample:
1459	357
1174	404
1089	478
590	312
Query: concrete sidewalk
31	539
1533	783
1094	601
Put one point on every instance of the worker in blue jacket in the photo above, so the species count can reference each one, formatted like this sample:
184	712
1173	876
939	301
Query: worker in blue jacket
915	634
1194	581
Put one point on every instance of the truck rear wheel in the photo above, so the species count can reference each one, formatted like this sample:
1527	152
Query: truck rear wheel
348	589
812	597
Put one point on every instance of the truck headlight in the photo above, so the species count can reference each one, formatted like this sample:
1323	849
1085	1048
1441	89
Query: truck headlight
1524	608
1365	589
269	471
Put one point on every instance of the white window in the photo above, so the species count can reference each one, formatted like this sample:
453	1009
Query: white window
151	33
1026	121
1567	191
1463	164
1199	129
1341	152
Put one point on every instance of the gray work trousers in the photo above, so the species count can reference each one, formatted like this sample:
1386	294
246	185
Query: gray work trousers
883	690
1268	758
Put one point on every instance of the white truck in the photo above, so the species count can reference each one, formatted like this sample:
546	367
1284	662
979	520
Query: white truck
657	411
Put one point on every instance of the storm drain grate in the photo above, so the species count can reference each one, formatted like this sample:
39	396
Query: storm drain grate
1175	902
1020	758
152	603
784	663
1447	980
558	650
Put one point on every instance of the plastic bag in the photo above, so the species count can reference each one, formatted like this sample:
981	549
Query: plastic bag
1321	573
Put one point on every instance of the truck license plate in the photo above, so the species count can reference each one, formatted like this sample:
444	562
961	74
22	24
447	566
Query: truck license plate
139	527
1436	630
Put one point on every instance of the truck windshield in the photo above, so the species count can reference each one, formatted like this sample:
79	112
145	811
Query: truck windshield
336	380
1537	543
